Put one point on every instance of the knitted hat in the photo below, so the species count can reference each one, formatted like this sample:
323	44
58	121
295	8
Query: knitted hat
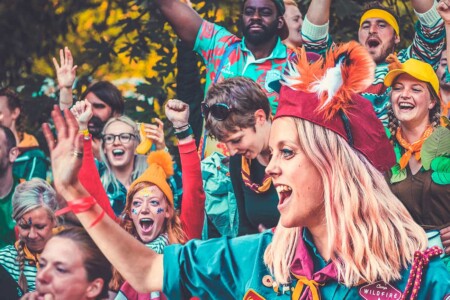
416	68
325	93
160	168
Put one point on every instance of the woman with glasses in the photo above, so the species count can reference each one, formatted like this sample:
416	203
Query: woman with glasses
119	165
237	113
342	232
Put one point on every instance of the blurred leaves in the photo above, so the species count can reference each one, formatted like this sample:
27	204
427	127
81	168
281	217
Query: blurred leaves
125	41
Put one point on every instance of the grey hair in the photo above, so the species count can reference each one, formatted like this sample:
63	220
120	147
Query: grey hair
33	194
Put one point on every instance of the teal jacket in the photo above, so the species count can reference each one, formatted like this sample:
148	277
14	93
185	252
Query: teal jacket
226	268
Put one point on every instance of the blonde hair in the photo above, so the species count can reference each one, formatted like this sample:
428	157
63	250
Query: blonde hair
371	235
28	196
140	164
290	2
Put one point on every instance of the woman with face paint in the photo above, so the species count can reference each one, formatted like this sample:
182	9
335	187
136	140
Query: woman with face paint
34	205
342	233
119	165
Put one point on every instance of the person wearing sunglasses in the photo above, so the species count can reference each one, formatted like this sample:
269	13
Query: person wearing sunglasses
342	232
237	114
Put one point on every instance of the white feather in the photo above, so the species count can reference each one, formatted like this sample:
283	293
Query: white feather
291	77
330	82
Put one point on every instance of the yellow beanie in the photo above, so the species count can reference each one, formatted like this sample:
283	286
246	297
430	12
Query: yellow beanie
160	168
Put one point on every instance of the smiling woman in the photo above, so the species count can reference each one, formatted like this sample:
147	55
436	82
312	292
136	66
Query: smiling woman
346	234
34	205
414	118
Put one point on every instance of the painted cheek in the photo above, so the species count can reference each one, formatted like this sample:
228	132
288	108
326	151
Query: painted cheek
134	211
159	210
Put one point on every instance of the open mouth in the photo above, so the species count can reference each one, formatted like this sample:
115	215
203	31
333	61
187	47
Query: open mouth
118	152
284	192
405	106
146	224
373	43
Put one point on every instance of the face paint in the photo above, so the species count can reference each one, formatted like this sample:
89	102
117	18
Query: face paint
134	211
160	210
30	222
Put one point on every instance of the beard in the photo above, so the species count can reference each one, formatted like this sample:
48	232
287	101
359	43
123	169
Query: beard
267	33
95	127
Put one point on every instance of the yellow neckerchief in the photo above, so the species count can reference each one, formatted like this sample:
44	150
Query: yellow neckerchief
32	258
301	283
28	141
257	188
413	148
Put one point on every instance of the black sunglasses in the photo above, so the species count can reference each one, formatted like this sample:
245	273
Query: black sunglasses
219	111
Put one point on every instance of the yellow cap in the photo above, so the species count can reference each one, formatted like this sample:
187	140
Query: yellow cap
416	68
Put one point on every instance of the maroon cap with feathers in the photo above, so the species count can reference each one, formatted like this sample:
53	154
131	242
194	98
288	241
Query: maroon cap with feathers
308	94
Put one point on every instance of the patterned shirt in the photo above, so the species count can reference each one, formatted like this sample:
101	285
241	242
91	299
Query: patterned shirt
427	45
213	40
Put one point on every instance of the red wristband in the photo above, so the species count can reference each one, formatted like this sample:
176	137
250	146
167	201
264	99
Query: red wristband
77	206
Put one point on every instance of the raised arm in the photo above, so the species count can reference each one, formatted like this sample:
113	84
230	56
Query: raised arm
185	21
319	12
144	268
65	74
88	175
193	201
444	11
422	6
315	29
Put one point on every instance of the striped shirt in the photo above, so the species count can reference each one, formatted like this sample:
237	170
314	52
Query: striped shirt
8	259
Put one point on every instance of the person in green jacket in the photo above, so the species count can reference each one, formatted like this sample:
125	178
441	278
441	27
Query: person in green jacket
342	233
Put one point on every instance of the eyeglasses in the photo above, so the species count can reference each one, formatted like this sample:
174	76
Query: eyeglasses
219	111
124	138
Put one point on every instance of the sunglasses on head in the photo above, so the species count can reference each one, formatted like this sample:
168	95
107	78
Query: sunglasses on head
219	111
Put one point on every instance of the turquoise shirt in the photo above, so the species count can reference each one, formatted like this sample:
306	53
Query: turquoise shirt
211	43
226	268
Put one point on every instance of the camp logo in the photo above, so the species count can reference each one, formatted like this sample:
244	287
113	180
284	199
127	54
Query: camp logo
379	291
252	295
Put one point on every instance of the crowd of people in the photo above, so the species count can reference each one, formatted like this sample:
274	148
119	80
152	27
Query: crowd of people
310	169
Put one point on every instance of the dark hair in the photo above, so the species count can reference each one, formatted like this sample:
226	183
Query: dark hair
279	4
10	138
377	5
14	102
108	93
244	96
95	263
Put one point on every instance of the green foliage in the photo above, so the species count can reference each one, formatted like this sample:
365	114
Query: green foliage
441	170
437	144
398	174
134	29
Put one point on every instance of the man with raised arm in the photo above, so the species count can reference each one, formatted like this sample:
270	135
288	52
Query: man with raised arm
379	32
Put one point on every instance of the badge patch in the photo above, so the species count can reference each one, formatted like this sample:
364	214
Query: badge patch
379	291
267	281
252	295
